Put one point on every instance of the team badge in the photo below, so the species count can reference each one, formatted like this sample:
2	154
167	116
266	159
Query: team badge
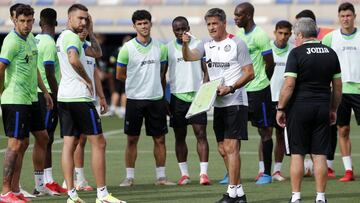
227	48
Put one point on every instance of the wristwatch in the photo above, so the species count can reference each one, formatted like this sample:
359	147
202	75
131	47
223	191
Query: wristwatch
232	89
279	109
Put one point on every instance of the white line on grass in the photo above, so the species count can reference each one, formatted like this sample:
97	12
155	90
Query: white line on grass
190	152
106	135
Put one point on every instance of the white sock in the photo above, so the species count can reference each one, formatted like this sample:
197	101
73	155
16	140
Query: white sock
130	173
231	191
240	191
79	174
39	180
160	172
330	163
261	167
3	195
72	193
184	169
112	107
277	167
320	196
203	167
295	196
347	162
16	193
102	192
48	177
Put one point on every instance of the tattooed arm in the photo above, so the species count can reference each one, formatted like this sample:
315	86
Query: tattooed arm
94	50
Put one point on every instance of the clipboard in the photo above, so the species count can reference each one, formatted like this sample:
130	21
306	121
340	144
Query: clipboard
204	98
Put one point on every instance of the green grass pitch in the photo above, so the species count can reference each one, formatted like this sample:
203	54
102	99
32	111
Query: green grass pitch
145	191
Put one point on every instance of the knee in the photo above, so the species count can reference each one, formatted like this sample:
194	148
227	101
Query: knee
42	138
344	131
159	141
132	141
101	144
221	150
229	149
201	136
265	134
18	146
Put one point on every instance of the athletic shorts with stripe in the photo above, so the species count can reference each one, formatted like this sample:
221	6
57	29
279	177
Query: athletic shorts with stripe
51	117
78	118
308	127
231	122
16	120
178	109
37	121
154	112
260	107
348	102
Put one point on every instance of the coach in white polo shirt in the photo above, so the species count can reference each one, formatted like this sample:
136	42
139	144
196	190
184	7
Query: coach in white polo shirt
226	56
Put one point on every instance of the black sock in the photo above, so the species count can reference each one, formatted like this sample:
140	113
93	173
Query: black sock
333	138
267	153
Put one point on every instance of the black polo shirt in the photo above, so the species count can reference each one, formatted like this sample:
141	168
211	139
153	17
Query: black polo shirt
314	65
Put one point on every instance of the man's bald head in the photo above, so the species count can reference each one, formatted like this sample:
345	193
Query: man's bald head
247	7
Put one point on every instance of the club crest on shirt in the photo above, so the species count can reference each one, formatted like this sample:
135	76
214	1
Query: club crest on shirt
227	48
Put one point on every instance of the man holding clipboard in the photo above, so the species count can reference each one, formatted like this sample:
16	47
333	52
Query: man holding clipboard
226	57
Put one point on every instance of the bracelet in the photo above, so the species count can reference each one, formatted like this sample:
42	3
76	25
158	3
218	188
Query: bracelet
232	89
279	109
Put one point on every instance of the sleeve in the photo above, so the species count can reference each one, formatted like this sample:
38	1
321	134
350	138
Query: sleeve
72	41
327	39
8	51
263	43
163	54
337	71
123	56
200	48
291	68
49	54
243	53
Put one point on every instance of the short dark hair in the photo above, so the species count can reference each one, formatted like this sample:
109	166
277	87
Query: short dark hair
14	7
248	7
216	12
346	6
141	15
306	14
181	18
283	24
25	10
48	17
75	7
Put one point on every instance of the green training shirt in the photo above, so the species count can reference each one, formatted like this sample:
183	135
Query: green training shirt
47	56
20	55
258	44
